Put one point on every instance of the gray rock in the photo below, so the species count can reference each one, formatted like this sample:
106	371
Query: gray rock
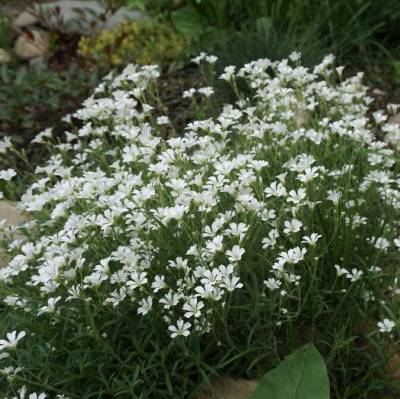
26	18
4	56
395	119
229	388
10	213
82	17
32	44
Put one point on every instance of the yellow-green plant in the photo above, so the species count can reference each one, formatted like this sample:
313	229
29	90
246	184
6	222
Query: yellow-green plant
142	42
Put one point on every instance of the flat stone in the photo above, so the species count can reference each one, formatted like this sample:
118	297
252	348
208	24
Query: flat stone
26	18
32	44
82	17
229	388
395	119
4	56
9	213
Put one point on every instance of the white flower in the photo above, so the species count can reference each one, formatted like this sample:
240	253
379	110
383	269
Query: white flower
235	254
50	307
162	120
293	226
211	59
271	240
189	93
379	116
178	263
295	255
39	138
181	329
7	174
386	325
292	256
193	308
204	57
272	283
308	175
237	230
74	293
232	283
275	190
158	283
215	245
334	196
211	277
296	197
205	291
12	340
295	56
229	72
375	269
193	251
382	243
170	300
341	271
311	240
34	395
137	280
5	144
354	275
10	371
116	297
259	164
340	70
206	91
145	305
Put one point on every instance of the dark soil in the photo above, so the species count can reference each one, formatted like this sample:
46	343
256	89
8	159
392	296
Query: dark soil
171	86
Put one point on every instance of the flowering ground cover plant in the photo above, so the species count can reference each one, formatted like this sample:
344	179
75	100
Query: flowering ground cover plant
150	265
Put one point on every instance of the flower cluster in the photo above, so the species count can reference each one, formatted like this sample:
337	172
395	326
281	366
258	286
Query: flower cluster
283	192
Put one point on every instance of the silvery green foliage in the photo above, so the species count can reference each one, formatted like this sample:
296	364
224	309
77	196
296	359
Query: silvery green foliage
288	185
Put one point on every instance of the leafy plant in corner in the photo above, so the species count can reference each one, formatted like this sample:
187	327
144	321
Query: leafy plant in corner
302	375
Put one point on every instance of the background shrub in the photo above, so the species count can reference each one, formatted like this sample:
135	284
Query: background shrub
143	42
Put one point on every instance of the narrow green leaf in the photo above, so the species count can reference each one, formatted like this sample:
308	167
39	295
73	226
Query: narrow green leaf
396	70
302	375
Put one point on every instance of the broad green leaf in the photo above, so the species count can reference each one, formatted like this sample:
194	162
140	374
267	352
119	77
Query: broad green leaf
302	375
188	22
